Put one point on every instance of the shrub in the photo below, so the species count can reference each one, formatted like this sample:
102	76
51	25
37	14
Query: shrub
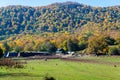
49	78
114	51
11	63
82	45
110	41
6	47
1	52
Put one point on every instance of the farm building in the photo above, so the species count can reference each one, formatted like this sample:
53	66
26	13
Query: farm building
61	51
26	54
11	54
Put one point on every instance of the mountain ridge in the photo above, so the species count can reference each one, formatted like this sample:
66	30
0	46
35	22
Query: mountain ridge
58	3
56	17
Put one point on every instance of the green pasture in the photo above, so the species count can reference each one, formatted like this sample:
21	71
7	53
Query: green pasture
103	58
64	70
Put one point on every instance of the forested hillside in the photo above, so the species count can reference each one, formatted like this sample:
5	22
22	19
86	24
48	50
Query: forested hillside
70	26
56	17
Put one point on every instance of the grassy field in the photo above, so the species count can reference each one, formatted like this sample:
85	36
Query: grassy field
103	58
65	70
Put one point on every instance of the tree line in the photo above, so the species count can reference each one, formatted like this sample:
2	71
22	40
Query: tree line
96	44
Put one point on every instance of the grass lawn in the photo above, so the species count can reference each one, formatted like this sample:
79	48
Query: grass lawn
64	70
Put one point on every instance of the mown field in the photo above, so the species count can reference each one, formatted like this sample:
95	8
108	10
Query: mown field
99	68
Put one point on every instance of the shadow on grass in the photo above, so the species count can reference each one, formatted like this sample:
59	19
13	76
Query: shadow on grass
19	74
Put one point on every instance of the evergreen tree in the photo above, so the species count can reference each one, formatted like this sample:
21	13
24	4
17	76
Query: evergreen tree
1	52
69	45
6	47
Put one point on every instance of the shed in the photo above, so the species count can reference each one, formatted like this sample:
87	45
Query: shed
11	54
60	51
28	54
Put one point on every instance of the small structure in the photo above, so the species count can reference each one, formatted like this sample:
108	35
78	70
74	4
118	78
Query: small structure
60	51
28	54
11	54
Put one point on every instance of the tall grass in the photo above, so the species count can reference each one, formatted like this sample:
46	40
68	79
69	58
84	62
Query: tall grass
11	63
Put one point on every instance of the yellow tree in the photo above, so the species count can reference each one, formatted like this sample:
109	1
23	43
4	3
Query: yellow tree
97	45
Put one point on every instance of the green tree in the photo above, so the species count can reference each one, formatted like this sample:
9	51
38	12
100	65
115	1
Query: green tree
46	46
6	47
72	45
109	40
1	52
17	49
69	45
82	45
114	51
50	47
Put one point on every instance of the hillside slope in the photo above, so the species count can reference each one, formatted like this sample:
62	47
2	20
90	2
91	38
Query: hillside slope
68	16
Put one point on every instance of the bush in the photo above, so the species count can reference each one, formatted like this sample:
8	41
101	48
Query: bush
11	63
82	45
49	78
1	52
110	41
114	51
18	66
